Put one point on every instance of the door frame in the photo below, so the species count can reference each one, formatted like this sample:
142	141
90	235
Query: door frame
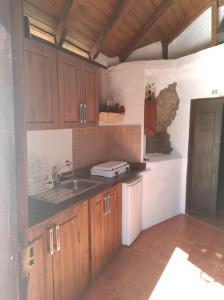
13	204
191	128
17	37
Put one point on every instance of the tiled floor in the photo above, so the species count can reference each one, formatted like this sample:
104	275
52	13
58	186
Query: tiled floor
181	258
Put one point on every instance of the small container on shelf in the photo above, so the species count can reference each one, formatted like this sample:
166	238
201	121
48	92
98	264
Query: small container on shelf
111	113
109	117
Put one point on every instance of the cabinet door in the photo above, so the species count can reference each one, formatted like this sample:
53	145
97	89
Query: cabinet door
39	265
41	86
90	93
105	218
114	220
71	257
98	223
69	74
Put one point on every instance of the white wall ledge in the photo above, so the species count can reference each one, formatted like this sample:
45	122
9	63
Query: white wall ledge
158	157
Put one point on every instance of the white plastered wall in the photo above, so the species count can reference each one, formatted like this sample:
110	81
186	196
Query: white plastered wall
196	76
127	85
55	145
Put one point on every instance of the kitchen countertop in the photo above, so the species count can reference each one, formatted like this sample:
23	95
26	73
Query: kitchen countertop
40	211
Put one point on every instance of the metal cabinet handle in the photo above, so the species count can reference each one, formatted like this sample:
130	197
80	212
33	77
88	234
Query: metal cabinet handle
81	113
84	113
51	232
108	200
58	245
105	205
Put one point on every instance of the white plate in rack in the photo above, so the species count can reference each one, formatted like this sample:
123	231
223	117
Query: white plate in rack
39	176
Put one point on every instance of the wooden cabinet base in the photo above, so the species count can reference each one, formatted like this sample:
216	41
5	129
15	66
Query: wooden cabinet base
61	248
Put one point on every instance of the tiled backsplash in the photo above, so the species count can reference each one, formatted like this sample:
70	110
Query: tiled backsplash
98	144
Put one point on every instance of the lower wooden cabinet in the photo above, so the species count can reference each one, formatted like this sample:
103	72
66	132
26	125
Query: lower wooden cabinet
105	227
60	249
71	259
39	264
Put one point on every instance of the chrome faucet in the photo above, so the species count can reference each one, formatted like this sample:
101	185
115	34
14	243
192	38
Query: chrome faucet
57	172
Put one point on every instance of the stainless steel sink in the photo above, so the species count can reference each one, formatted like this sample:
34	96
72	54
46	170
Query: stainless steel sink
66	190
79	184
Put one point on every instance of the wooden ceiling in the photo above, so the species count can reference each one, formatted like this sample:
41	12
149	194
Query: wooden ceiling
113	27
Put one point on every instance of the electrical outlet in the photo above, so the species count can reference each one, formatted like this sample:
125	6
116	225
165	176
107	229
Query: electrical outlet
215	92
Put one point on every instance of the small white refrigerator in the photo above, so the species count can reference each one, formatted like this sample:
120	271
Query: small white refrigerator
131	210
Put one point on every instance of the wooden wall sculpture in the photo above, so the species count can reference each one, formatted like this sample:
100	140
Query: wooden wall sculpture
159	115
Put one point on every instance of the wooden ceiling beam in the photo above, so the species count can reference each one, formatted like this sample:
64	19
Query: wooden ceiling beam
68	15
214	21
119	12
186	22
165	49
149	24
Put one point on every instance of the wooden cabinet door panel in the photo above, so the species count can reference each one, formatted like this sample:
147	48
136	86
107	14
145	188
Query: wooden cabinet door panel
40	285
98	219
105	228
71	260
41	92
114	217
69	77
90	93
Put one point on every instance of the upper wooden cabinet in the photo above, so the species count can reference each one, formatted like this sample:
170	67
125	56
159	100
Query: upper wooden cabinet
89	95
41	86
69	83
61	90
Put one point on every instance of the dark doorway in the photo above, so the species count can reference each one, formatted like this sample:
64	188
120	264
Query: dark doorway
205	188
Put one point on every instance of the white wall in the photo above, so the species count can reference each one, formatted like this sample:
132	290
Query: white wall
149	52
194	38
196	76
127	82
56	145
161	191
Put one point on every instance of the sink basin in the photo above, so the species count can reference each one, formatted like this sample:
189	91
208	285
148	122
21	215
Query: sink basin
79	184
66	190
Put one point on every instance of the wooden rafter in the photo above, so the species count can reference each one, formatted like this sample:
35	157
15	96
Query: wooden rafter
118	14
215	13
149	24
165	49
187	22
69	11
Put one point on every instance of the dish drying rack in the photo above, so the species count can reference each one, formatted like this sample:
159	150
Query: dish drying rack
39	176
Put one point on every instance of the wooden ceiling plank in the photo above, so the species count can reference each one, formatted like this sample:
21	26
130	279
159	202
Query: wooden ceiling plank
215	13
104	7
151	21
74	33
68	15
118	14
186	23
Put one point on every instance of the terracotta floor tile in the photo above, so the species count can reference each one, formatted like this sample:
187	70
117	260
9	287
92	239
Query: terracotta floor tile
180	258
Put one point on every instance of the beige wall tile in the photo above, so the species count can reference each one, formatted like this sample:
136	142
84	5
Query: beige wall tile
98	144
